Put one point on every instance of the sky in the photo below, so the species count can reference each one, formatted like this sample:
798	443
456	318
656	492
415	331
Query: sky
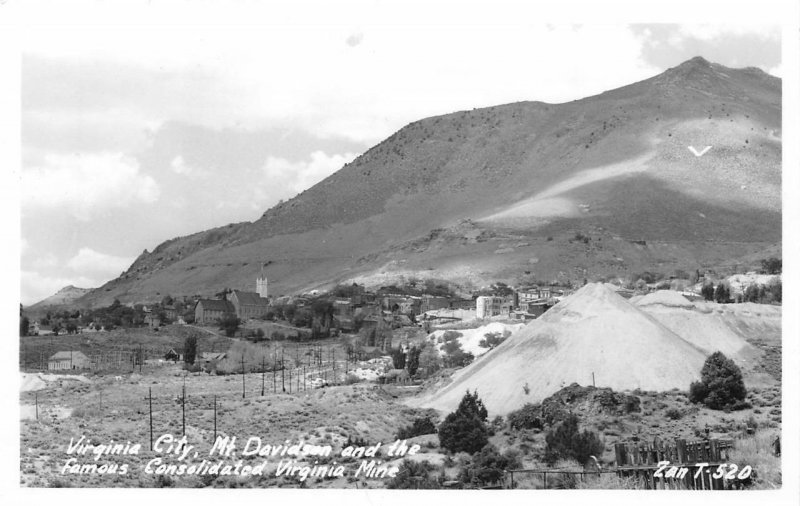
132	135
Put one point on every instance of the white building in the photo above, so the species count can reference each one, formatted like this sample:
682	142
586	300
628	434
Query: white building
487	306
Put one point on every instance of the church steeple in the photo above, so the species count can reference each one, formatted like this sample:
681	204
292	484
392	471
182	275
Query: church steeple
261	284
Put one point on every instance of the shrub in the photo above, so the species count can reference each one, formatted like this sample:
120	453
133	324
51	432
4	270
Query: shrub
526	417
230	324
721	385
567	442
674	414
420	427
488	466
491	340
414	475
352	379
464	430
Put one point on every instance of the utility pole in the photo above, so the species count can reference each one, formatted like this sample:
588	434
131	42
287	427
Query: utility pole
150	397
274	369
215	418
283	373
183	407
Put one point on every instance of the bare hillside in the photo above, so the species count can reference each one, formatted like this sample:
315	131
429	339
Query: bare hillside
492	193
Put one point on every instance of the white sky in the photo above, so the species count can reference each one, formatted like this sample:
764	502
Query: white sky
133	134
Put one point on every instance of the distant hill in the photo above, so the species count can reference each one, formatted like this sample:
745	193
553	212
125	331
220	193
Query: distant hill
64	297
601	186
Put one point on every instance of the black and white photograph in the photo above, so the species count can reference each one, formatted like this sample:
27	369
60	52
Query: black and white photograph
390	247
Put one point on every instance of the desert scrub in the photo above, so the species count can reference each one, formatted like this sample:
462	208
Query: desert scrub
758	452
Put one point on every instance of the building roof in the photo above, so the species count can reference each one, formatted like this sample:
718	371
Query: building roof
68	355
250	298
216	305
207	355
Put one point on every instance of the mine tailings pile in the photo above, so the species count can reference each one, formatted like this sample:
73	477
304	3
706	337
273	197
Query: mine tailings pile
594	336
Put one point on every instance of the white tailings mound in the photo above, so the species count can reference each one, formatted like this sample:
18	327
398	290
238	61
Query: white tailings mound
709	330
592	331
667	298
31	382
470	338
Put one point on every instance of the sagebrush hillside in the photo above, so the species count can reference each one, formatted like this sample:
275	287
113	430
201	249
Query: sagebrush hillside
500	192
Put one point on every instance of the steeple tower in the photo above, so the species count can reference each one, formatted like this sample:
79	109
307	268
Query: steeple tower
261	284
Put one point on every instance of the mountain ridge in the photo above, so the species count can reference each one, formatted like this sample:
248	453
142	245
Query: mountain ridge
615	155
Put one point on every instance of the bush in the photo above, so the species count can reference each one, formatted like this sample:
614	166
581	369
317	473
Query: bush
566	442
352	379
464	430
414	475
491	340
230	324
526	417
420	427
721	385
488	467
674	414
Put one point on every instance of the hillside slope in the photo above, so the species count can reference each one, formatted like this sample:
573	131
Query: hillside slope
491	193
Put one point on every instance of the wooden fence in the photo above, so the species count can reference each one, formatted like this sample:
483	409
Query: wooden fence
696	463
695	467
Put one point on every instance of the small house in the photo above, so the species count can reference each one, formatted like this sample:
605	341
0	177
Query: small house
68	360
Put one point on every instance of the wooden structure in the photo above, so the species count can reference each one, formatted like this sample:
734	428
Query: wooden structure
68	360
695	464
641	461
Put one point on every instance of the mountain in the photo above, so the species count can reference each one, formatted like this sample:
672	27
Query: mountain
603	186
64	297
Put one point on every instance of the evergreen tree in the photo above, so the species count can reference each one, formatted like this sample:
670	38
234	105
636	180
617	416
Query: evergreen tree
707	291
190	349
567	442
721	385
464	430
722	293
412	360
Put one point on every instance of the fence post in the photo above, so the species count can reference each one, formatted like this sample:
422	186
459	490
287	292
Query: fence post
263	372
242	375
215	419
36	397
